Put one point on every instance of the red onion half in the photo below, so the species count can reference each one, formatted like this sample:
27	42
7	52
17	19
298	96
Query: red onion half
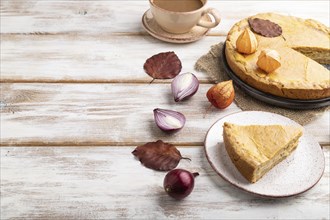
184	86
179	183
169	120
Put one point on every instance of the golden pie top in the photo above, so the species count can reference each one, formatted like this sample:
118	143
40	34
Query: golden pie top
299	76
260	142
256	149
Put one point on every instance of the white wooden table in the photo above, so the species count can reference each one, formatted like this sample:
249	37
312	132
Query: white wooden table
75	102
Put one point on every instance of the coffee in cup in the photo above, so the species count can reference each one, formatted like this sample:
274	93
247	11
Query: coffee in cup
180	16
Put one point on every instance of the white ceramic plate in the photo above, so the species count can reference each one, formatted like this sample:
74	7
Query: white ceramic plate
294	175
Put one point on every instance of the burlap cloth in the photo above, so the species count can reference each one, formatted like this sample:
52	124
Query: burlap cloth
212	64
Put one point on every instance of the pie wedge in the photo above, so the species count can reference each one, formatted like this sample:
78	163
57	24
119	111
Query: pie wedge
256	149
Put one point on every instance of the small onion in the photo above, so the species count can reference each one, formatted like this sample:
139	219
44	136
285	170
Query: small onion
179	183
168	120
184	85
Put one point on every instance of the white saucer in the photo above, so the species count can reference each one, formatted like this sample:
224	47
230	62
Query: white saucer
153	29
294	175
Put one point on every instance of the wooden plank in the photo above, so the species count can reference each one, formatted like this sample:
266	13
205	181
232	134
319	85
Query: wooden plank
107	114
74	58
313	127
98	114
108	17
103	183
35	48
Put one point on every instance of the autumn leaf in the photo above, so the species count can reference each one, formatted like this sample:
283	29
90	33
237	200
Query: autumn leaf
158	155
265	28
163	66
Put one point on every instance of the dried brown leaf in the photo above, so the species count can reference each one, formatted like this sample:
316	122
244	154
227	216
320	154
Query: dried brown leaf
163	65
158	155
265	28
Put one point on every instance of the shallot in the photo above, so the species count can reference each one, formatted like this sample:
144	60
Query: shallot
184	86
169	120
179	183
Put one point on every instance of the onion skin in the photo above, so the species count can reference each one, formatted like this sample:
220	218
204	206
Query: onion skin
184	86
179	183
169	120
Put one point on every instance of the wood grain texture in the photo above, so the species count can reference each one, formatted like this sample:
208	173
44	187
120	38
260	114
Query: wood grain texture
74	41
71	75
108	114
103	183
112	17
108	183
104	58
99	114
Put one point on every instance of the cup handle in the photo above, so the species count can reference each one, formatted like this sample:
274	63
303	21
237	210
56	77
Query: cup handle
210	24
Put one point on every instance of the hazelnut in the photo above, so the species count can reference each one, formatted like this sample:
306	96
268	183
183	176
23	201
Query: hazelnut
269	60
247	42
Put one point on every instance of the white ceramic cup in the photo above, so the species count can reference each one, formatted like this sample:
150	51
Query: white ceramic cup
182	22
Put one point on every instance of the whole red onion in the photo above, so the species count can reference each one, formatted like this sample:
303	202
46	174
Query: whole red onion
179	183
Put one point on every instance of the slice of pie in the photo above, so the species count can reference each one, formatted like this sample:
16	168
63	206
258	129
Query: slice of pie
256	149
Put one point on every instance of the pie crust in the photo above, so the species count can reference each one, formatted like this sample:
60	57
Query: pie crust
256	149
303	46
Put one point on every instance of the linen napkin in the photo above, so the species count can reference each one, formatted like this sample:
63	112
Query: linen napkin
212	64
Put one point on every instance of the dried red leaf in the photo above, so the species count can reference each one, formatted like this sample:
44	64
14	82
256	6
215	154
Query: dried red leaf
158	155
163	65
265	28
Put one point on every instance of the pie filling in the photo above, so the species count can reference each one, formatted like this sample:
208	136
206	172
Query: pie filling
256	149
319	55
279	157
